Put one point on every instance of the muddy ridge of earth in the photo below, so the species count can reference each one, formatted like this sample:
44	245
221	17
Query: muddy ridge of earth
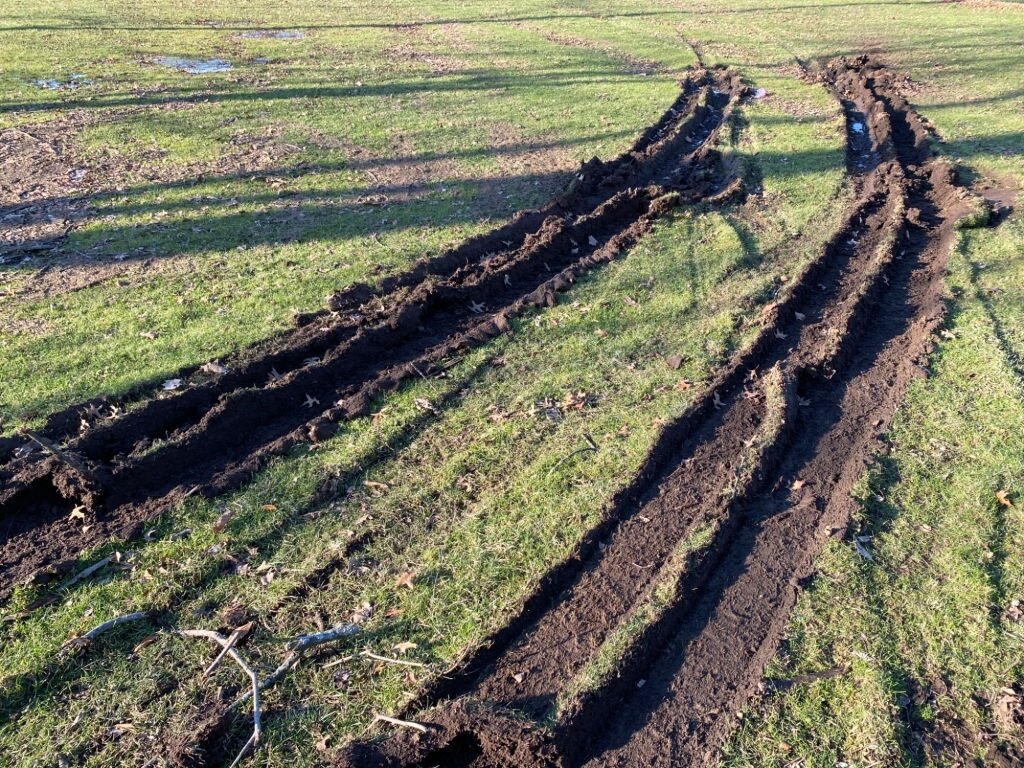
763	465
121	470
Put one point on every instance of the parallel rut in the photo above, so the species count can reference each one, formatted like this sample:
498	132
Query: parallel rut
765	461
220	430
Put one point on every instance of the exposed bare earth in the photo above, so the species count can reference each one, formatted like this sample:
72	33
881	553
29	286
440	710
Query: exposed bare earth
211	437
762	463
766	460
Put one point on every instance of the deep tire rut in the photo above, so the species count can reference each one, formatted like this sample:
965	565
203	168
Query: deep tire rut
770	476
220	430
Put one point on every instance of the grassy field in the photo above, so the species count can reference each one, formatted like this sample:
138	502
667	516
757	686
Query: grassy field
220	204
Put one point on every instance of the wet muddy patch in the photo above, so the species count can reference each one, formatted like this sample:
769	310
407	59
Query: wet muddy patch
73	83
272	34
193	66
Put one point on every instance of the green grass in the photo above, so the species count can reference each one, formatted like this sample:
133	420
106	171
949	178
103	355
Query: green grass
483	113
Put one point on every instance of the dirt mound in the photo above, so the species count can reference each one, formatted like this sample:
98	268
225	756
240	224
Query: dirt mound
765	462
117	470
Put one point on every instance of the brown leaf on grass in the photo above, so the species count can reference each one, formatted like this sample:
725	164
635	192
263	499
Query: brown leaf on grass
268	507
149	640
682	385
1004	498
1013	612
1006	708
403	647
674	362
601	333
222	522
405	580
362	613
214	367
425	405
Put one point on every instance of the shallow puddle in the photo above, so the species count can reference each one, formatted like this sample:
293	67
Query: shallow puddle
272	34
193	66
73	82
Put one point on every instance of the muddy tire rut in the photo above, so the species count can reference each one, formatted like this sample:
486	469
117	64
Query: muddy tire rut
213	436
764	464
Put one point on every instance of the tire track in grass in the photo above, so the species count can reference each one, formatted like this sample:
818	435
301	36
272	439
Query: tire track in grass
213	437
846	342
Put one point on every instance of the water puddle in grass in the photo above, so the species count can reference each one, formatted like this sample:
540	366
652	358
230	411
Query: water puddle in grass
72	83
272	34
193	66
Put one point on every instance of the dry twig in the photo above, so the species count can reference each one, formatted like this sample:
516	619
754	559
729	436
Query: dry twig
226	645
298	646
99	629
403	723
403	662
86	572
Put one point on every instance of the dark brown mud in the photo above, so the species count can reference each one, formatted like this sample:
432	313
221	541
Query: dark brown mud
120	470
766	462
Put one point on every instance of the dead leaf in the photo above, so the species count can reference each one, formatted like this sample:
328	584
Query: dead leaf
149	640
78	513
269	507
362	613
600	333
798	484
592	241
674	362
683	384
403	647
170	385
425	405
222	522
862	551
1004	498
214	367
405	580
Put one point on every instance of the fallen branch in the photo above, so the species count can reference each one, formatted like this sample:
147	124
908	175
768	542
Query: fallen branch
303	642
85	573
403	723
227	645
233	638
298	646
99	629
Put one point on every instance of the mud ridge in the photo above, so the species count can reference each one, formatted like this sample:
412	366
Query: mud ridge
765	461
222	428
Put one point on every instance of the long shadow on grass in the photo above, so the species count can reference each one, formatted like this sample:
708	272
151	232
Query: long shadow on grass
85	23
471	80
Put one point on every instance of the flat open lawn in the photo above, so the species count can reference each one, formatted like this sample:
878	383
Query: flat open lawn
153	220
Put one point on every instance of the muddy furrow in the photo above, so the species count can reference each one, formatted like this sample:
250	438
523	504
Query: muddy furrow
712	651
768	473
127	470
360	305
